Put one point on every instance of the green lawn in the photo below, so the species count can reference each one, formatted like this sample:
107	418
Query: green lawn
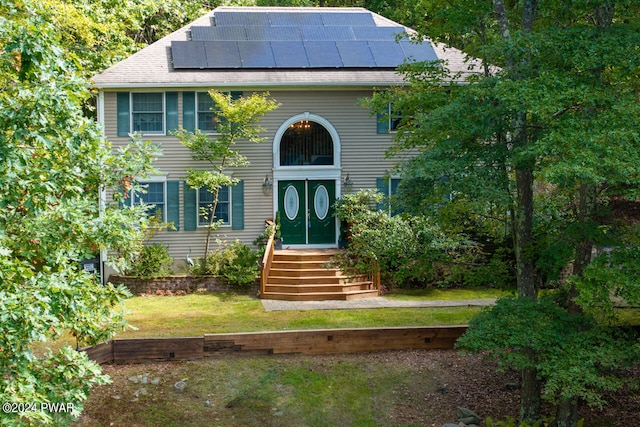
210	313
448	294
197	314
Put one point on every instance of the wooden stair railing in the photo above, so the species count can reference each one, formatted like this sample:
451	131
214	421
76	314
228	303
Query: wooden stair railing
267	258
375	277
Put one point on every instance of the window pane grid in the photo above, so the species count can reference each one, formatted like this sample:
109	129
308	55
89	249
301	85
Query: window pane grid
147	112
153	196
206	111
205	200
394	119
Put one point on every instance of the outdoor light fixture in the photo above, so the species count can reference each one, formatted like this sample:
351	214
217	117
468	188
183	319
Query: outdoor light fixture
347	183
267	186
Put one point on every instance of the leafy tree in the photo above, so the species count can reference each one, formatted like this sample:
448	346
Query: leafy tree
407	250
585	365
237	121
53	166
533	137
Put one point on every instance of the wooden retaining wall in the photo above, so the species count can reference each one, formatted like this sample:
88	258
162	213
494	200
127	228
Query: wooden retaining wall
319	341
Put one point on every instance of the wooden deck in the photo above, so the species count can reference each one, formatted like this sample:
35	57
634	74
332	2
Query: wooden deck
307	275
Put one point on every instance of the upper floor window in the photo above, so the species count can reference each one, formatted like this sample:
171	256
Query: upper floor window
223	208
388	120
147	112
206	115
306	143
200	112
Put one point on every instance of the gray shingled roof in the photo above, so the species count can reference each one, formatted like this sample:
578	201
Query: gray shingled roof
336	47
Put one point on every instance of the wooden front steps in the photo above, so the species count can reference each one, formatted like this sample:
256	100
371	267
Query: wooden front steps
305	275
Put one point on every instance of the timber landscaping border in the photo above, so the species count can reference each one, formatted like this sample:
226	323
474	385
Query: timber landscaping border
317	341
186	283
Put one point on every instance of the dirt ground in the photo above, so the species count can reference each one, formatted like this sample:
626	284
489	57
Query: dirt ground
454	380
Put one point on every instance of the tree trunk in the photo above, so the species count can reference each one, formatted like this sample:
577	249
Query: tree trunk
567	413
529	393
523	233
587	204
212	217
523	215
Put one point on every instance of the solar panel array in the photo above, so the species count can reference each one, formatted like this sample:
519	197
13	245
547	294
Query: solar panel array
296	40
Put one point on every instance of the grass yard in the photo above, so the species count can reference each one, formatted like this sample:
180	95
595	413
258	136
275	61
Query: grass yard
197	314
448	294
210	313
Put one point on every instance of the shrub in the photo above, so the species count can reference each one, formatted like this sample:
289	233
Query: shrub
409	250
153	261
236	262
262	240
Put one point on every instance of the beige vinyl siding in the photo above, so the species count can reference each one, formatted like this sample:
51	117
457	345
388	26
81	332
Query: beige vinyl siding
362	157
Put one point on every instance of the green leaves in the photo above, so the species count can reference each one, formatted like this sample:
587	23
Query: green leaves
575	357
238	123
408	250
544	142
54	172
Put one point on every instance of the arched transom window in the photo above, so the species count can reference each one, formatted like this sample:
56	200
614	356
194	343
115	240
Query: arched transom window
306	143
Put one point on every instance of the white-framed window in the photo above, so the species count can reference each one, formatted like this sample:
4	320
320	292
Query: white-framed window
223	208
389	120
155	195
147	113
206	115
207	118
394	119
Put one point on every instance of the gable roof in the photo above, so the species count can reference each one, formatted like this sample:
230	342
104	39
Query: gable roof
278	47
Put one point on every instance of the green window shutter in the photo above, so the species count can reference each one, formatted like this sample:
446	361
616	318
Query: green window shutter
383	123
124	116
190	208
171	100
189	111
122	201
173	204
237	206
236	95
382	184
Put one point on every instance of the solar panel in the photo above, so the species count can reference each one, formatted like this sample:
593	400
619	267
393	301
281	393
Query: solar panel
296	40
355	54
188	54
347	18
322	54
320	33
377	33
273	33
243	18
386	54
234	32
289	54
419	51
256	54
222	54
295	19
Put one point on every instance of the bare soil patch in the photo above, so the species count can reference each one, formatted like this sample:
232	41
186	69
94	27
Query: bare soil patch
395	388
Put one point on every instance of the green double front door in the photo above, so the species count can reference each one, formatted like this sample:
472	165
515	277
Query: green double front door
306	212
